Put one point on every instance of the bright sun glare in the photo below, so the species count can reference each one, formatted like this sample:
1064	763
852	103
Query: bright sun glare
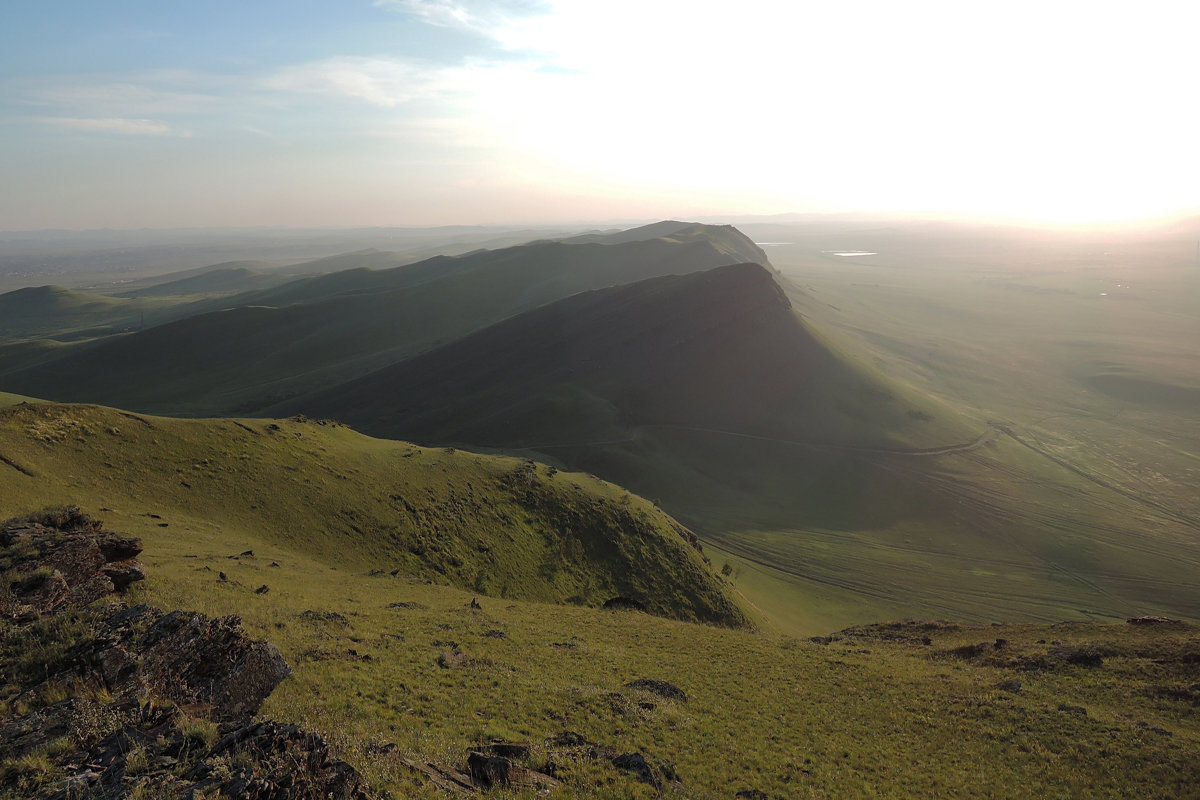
562	110
1067	112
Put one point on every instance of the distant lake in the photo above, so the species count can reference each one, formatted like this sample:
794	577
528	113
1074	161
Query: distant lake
772	244
849	253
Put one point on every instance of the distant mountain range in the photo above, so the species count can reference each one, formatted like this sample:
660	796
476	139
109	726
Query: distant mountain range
245	352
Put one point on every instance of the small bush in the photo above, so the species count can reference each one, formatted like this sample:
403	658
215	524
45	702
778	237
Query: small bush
95	717
29	773
62	517
137	761
200	734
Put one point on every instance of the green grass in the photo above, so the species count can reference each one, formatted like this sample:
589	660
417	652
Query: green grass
863	716
500	526
872	712
1081	513
7	399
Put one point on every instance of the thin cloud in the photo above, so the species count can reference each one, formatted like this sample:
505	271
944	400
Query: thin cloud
382	82
486	17
117	125
442	13
133	95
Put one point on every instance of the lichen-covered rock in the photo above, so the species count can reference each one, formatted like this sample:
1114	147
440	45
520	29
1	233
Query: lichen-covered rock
64	560
150	749
191	659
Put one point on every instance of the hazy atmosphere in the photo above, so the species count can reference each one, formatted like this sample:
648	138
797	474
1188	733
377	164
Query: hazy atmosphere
416	112
612	401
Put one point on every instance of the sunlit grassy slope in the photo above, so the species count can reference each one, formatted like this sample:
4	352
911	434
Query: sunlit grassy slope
500	526
1068	710
896	711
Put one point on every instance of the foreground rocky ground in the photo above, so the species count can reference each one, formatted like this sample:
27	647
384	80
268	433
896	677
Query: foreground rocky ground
111	700
425	690
108	701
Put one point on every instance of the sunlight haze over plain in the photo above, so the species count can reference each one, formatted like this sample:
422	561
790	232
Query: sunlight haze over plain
419	112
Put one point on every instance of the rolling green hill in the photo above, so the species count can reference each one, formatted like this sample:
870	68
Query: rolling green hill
499	526
403	678
227	278
919	709
54	311
433	600
536	272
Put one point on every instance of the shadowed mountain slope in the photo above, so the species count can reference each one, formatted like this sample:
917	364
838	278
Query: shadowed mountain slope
545	270
711	394
58	311
311	333
234	276
718	350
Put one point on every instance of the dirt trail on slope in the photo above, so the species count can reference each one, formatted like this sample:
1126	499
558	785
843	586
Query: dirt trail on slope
964	447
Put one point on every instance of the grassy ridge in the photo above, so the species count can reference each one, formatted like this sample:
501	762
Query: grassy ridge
720	349
227	278
925	709
248	352
843	495
1084	509
55	311
500	526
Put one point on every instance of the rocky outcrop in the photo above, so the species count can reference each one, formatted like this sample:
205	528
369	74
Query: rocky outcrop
186	658
114	700
160	752
65	561
109	700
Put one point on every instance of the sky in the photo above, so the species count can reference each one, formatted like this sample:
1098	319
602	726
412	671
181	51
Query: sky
144	113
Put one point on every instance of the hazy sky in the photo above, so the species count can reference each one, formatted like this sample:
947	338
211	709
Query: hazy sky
152	113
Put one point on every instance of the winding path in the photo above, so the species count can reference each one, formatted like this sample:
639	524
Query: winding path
975	443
